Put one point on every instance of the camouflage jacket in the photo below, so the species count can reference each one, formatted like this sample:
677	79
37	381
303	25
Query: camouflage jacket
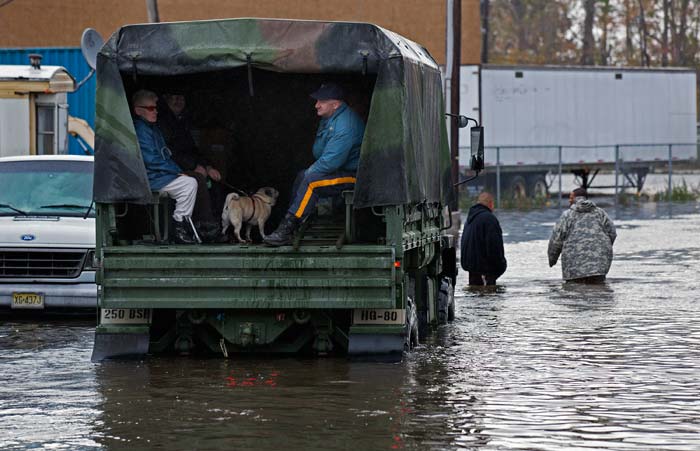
584	236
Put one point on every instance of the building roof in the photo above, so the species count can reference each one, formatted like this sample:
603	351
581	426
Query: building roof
54	78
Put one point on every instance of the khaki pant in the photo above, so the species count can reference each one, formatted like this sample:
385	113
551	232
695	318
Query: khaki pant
184	190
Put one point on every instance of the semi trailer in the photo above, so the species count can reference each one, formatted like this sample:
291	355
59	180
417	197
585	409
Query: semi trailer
582	120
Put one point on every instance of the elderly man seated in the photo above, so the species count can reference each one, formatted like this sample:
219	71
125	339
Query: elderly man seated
175	125
337	152
164	175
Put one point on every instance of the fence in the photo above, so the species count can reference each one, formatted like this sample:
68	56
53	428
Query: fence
624	159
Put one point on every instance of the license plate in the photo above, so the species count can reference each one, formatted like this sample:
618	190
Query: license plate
379	316
28	300
125	316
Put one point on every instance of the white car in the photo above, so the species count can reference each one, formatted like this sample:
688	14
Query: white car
47	233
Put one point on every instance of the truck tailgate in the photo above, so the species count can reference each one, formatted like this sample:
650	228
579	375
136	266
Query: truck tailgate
223	276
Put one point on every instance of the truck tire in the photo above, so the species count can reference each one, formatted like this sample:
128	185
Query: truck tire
446	301
537	186
412	335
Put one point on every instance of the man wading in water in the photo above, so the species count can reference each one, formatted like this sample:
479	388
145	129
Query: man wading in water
584	236
482	244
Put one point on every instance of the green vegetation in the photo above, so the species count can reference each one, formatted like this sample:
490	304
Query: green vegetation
525	203
679	193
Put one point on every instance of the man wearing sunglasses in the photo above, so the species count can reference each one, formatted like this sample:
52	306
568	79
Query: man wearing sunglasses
164	175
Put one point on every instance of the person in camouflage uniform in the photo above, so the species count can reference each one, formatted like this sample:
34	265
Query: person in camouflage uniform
584	236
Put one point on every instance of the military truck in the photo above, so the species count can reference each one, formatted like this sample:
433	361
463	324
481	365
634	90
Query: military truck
367	275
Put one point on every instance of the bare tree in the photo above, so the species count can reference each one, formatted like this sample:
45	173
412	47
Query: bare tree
644	55
629	43
519	15
664	35
604	24
485	31
588	44
680	39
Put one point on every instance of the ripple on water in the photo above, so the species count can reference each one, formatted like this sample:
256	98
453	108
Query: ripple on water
533	364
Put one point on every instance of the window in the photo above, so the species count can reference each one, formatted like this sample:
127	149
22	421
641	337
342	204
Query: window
45	129
46	187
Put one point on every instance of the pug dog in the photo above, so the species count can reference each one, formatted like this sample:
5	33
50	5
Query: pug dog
249	210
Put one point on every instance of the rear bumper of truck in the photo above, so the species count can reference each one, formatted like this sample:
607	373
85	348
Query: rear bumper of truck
249	299
248	277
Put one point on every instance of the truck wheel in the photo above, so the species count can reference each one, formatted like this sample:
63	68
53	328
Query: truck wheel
411	326
446	300
537	186
517	187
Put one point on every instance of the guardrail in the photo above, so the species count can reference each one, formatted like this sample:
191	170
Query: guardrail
554	159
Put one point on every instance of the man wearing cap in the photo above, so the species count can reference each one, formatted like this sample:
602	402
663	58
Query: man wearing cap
337	152
584	237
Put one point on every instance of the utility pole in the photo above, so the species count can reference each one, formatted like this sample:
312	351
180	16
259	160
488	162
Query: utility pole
152	8
455	58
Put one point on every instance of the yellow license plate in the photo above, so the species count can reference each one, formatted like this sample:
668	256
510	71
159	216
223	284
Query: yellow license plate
379	316
28	300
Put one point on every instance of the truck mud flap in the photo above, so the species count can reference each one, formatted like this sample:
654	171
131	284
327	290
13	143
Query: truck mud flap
366	344
119	345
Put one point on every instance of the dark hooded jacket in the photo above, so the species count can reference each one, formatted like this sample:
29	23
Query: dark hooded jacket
177	133
482	243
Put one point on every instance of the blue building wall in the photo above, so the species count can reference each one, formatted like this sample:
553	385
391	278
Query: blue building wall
81	103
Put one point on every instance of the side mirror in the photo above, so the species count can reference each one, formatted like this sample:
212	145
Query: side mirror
477	148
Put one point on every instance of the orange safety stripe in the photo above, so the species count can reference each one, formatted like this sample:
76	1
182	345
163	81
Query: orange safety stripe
319	184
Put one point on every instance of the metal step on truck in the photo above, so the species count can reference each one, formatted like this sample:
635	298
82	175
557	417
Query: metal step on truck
368	274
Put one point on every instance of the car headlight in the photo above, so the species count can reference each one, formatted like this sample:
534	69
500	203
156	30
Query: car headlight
91	263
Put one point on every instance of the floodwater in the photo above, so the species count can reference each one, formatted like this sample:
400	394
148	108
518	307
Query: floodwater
532	365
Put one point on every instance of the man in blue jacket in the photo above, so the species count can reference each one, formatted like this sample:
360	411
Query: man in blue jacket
337	152
482	244
164	175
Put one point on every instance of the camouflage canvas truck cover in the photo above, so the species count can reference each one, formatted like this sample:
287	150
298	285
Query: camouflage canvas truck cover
361	276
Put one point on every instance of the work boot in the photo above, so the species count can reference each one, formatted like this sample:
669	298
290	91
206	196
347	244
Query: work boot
284	234
182	233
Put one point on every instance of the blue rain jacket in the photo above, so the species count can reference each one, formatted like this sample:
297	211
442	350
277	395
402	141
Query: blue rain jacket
338	142
160	166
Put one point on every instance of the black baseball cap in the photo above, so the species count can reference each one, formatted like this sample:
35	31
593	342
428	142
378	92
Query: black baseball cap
328	91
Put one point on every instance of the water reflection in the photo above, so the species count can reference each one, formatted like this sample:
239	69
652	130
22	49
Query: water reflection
258	404
532	363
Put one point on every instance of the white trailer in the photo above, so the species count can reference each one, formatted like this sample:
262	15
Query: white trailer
584	119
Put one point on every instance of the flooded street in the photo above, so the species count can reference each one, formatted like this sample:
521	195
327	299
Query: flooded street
535	364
